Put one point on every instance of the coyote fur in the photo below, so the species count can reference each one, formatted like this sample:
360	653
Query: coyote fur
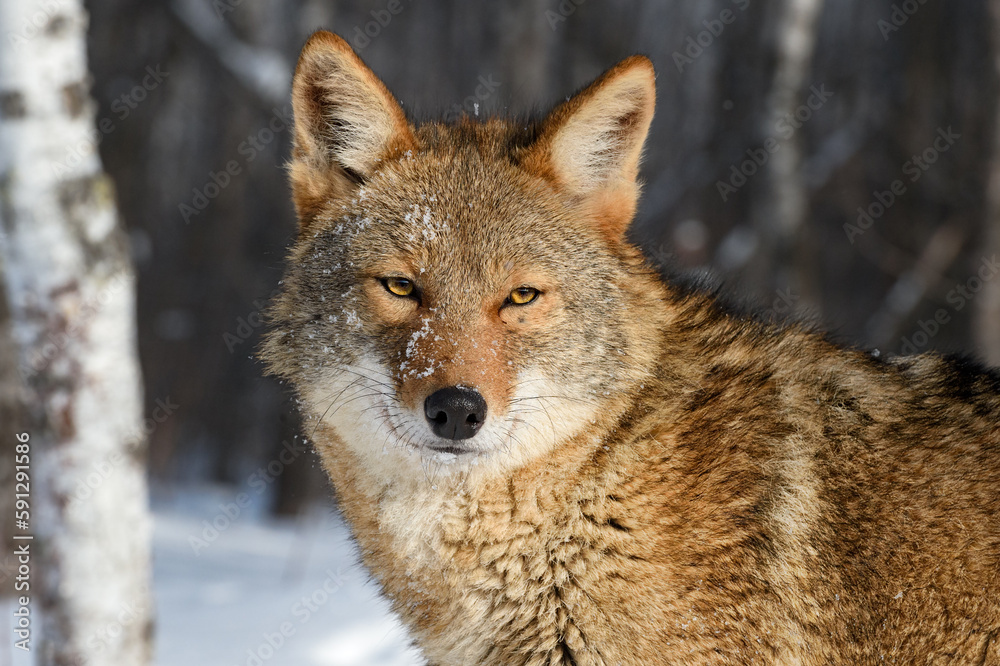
548	454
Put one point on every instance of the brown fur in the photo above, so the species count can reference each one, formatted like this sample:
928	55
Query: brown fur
692	487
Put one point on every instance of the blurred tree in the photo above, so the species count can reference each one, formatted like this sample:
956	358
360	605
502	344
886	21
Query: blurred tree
987	325
785	254
69	285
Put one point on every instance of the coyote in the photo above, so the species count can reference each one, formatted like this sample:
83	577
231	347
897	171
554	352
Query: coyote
550	455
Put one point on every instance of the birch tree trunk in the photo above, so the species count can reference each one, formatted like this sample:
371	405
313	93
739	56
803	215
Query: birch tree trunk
782	214
70	289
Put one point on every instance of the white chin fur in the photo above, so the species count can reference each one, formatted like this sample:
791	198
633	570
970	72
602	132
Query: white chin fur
395	443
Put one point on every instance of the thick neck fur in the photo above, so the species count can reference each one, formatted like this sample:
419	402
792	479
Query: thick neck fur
712	483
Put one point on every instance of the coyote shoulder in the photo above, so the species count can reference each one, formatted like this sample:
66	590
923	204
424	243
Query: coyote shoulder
549	455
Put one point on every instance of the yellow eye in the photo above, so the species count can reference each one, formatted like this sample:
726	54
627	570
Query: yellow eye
398	286
522	295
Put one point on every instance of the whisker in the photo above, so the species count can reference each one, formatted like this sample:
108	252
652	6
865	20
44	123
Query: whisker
351	370
555	397
362	392
326	411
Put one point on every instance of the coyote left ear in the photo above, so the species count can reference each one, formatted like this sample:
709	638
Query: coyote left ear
346	123
590	145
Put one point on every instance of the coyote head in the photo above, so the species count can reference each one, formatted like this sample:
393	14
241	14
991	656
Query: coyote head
463	293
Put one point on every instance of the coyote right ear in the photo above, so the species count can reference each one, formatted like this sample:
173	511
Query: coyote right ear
346	123
590	145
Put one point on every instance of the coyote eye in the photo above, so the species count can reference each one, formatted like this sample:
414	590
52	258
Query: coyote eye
522	296
398	286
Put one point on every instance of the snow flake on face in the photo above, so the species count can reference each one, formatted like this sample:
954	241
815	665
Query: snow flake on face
350	226
411	346
424	331
427	372
426	225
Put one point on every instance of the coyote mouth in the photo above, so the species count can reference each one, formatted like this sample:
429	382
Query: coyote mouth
450	448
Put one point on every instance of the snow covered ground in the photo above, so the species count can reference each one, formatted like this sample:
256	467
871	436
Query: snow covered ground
264	593
256	592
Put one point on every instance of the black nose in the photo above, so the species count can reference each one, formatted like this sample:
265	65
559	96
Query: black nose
455	412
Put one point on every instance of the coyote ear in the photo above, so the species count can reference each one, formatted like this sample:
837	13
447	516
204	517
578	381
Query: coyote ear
591	144
346	123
